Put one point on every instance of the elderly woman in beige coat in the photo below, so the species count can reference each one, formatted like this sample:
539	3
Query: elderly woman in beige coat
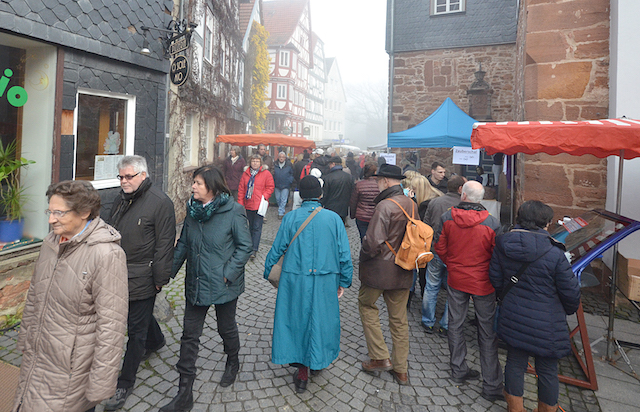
74	320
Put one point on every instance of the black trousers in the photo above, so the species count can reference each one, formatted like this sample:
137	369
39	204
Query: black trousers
194	317
144	332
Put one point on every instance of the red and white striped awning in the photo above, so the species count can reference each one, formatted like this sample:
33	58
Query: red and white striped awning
600	138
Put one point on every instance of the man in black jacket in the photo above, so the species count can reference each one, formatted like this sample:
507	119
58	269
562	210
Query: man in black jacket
337	188
145	217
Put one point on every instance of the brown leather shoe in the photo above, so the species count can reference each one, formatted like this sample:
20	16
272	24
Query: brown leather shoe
374	365
400	378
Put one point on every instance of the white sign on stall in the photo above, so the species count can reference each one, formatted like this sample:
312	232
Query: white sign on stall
389	157
465	156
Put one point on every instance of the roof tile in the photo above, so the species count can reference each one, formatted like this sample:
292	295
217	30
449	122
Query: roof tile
281	18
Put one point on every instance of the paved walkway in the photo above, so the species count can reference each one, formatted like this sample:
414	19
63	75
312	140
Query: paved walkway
264	386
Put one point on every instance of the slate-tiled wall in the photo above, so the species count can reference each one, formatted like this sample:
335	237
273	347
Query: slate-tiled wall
103	27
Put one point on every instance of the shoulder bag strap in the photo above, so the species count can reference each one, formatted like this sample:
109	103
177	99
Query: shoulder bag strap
304	224
513	281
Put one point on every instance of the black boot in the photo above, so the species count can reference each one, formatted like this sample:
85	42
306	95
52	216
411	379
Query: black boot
183	402
230	371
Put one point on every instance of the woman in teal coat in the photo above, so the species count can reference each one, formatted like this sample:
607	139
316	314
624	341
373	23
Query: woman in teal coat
316	269
216	243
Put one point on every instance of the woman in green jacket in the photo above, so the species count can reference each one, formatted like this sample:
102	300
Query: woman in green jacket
216	243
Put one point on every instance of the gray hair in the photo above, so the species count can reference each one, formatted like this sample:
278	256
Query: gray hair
474	191
138	163
282	153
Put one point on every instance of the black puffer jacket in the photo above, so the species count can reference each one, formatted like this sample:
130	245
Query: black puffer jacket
533	314
337	189
148	229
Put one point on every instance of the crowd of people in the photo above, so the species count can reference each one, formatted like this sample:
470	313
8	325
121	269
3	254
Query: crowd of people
96	279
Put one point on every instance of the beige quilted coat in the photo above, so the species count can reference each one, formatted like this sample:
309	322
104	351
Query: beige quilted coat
74	322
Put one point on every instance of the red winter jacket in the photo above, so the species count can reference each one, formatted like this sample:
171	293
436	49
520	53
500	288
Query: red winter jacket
464	240
263	186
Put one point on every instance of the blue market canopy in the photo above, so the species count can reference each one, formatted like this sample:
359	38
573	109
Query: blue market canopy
448	126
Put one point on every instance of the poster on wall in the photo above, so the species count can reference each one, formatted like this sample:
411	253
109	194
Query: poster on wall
106	167
389	157
465	156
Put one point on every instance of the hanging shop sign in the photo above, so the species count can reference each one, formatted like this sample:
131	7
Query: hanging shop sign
179	70
179	43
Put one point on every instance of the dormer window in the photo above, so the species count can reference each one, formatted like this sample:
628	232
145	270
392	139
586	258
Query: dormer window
447	6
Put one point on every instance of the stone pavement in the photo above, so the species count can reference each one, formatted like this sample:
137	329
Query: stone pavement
264	386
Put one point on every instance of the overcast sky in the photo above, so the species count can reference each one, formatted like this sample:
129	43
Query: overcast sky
353	31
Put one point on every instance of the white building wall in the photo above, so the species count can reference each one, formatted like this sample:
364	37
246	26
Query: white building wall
334	106
624	100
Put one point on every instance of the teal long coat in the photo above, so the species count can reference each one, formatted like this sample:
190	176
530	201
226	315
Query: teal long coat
306	328
215	250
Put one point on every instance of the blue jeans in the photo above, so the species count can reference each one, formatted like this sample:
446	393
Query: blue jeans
436	277
282	196
546	369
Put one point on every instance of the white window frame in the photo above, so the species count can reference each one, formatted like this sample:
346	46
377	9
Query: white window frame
129	137
447	5
208	35
285	58
188	139
281	91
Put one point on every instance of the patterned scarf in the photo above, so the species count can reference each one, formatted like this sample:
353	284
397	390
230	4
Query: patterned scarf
252	180
202	213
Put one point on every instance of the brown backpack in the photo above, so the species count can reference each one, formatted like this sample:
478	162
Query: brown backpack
415	249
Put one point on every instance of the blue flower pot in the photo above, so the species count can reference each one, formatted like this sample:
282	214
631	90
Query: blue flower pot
11	230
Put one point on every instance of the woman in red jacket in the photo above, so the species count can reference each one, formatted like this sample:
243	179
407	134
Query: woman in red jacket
256	183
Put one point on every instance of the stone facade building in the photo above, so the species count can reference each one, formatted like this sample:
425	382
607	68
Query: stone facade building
544	60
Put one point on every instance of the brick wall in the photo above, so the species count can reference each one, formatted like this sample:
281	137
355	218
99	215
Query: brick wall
566	61
424	79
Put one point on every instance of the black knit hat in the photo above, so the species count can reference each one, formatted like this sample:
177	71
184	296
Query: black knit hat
310	187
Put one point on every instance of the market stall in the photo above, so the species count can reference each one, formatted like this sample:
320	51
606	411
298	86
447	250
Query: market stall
601	138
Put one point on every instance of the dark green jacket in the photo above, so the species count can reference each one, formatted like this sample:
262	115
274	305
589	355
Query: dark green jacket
215	250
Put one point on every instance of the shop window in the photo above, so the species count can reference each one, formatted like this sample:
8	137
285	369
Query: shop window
105	128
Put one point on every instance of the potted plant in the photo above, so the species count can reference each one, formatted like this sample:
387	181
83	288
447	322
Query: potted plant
12	199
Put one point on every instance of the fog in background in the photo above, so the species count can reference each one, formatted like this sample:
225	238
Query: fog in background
353	31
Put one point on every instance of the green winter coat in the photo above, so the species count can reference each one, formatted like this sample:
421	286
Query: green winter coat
216	252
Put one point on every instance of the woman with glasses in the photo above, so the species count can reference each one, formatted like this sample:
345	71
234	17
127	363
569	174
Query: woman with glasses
216	243
75	316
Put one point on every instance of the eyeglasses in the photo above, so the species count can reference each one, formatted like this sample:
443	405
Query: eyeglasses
127	177
56	213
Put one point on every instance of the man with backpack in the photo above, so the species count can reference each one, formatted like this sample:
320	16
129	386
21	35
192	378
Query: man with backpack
380	275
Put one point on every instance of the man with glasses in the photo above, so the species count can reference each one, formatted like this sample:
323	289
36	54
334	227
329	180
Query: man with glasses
145	217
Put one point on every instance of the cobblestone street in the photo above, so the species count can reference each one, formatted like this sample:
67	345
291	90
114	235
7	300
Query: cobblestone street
264	386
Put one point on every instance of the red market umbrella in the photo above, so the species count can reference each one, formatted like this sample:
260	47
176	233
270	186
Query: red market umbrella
601	138
269	139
